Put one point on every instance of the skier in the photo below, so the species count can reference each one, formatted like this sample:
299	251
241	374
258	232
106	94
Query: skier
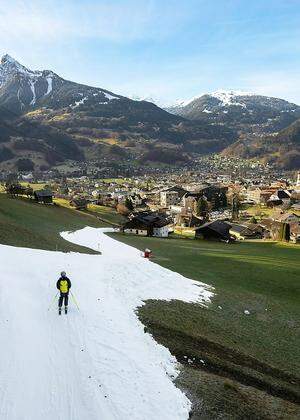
63	285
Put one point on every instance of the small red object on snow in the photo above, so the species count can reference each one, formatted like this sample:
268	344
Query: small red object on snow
147	253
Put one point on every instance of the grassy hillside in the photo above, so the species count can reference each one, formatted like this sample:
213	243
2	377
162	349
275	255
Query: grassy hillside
282	149
236	366
27	224
260	349
105	214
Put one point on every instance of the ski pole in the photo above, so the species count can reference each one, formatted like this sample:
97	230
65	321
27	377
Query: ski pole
73	297
53	300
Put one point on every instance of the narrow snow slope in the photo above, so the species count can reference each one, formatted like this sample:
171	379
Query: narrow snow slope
97	363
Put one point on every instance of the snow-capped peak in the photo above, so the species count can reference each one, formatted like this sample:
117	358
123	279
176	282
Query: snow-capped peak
23	78
184	102
6	58
228	97
180	103
146	98
9	64
9	67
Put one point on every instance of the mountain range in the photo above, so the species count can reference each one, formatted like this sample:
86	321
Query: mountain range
268	128
246	112
46	120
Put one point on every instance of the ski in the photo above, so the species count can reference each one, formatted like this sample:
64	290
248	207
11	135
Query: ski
66	309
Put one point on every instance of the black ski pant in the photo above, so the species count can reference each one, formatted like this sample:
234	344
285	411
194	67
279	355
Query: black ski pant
63	297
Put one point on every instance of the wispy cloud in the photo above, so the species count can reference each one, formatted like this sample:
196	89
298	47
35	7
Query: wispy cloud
166	49
118	21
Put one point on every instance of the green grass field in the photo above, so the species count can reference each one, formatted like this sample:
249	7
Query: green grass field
262	348
27	224
107	214
34	186
251	363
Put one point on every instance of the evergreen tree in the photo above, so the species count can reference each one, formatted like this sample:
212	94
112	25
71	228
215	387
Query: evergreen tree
128	204
223	199
219	201
202	208
235	207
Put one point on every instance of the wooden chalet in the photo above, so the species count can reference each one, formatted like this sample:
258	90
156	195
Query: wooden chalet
216	231
43	196
251	231
148	225
275	230
79	203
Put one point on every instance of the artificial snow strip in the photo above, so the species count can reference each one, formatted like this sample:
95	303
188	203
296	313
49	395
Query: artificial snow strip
97	363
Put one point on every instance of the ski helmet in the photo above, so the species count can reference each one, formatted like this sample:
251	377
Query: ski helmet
63	274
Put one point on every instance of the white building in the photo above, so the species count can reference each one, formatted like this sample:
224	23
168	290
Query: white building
161	232
168	198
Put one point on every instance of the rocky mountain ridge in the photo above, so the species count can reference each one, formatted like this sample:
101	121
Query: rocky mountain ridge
47	120
246	112
100	123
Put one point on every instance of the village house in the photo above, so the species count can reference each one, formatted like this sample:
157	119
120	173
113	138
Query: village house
148	225
79	203
296	206
185	220
136	200
189	201
277	231
286	218
259	195
176	209
279	197
181	191
295	232
216	231
215	195
168	198
265	197
249	231
43	196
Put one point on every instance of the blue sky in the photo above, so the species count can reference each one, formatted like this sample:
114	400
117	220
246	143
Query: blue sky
164	49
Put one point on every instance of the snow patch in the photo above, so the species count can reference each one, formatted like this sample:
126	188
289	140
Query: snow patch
226	98
180	103
229	97
80	102
32	87
49	88
97	363
19	99
110	97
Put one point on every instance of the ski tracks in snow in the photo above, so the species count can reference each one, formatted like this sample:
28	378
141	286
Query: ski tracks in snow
96	364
